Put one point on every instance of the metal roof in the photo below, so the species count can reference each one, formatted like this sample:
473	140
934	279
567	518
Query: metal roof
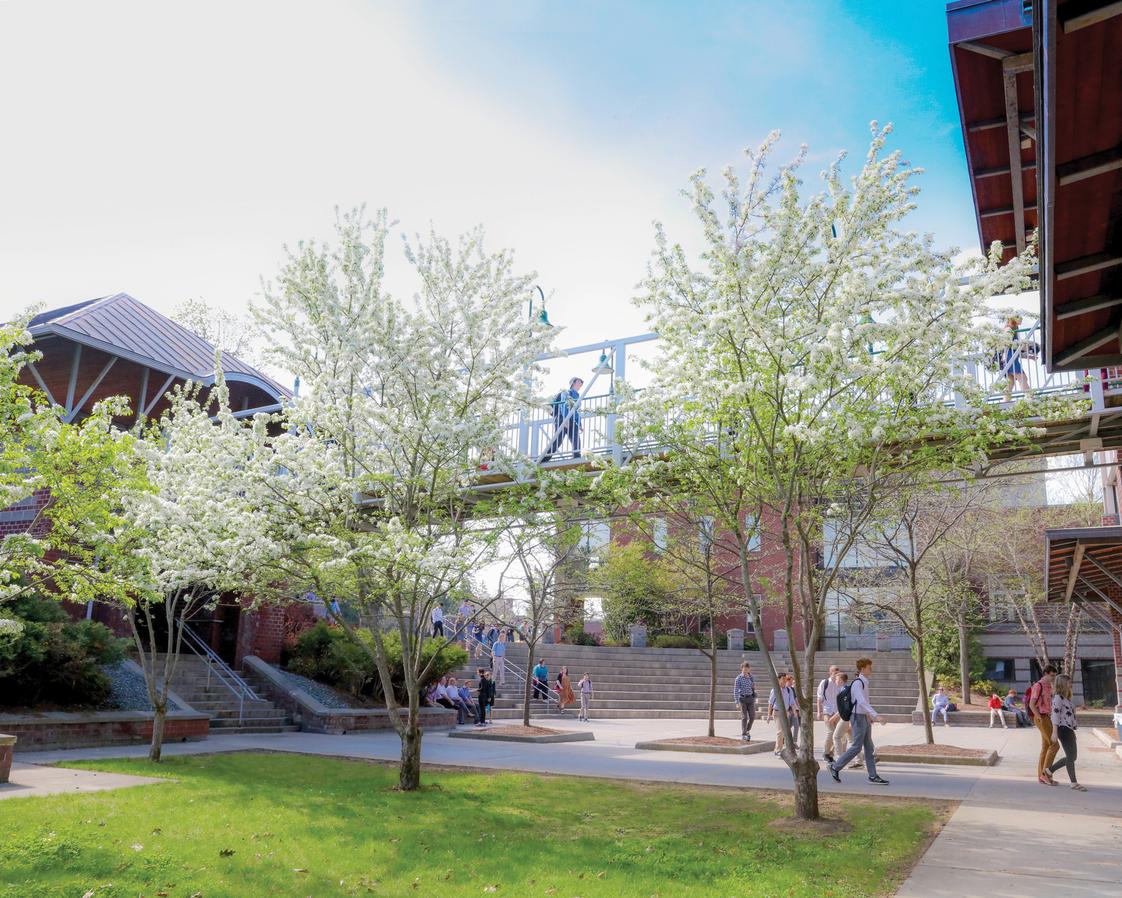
123	326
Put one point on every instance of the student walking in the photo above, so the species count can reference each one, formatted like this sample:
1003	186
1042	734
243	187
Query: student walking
827	709
996	707
744	694
940	704
541	680
862	715
1063	730
1039	703
498	659
564	689
437	618
788	705
841	727
486	697
566	419
585	688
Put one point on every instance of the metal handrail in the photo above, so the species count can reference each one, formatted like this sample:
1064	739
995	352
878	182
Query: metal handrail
519	673
221	670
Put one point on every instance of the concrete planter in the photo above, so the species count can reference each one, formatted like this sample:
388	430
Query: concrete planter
748	748
7	747
549	738
904	758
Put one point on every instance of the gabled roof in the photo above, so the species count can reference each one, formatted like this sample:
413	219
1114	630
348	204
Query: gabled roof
125	327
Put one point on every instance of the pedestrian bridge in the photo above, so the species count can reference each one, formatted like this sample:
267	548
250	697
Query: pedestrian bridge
532	435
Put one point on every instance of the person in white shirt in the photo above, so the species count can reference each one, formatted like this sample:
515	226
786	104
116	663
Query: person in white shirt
437	621
827	707
862	725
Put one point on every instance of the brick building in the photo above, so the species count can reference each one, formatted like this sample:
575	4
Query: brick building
117	346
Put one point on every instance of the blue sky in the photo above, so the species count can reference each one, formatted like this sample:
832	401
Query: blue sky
171	151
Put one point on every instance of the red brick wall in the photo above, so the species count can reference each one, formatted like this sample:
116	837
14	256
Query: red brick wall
1116	645
260	633
85	730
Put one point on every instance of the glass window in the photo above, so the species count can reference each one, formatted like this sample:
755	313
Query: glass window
1003	670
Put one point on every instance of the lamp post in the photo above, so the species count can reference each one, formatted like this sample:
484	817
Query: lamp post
542	316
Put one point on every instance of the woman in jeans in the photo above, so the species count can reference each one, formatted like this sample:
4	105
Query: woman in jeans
1063	729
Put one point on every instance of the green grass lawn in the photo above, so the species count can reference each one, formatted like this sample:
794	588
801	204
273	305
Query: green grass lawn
266	825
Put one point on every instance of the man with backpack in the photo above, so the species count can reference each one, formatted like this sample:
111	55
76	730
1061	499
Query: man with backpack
1038	703
566	419
827	708
853	705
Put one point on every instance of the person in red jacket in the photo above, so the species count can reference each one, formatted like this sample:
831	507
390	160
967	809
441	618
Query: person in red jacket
996	708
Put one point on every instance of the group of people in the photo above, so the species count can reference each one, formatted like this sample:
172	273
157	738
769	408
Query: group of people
842	705
448	693
563	687
1049	704
941	704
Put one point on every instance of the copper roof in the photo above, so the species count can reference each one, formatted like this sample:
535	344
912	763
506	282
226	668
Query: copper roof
125	327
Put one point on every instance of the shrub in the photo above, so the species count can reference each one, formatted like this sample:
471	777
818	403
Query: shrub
329	655
575	635
53	659
986	688
668	641
751	645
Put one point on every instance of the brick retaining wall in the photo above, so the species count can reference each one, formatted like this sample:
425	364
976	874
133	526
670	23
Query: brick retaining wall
40	732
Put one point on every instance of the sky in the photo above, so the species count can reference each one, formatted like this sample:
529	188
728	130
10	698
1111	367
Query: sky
171	150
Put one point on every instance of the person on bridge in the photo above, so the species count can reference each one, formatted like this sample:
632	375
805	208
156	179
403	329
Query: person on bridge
566	419
1011	357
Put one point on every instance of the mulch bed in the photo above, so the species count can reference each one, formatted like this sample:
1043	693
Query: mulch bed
705	740
931	751
520	730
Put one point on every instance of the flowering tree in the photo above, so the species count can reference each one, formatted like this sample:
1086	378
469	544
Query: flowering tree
184	532
402	401
66	472
815	355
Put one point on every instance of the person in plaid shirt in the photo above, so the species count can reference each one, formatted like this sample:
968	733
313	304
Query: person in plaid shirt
744	694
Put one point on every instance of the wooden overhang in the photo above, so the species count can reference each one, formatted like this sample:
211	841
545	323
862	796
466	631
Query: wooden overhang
1084	565
1039	85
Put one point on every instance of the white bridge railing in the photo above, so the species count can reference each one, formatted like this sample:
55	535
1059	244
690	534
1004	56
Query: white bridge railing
535	434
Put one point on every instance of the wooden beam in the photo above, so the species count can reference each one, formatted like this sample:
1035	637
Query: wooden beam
1015	64
1109	575
73	413
985	50
1084	346
1073	571
42	385
1002	170
1089	166
77	360
1013	136
994	213
1091	14
989	124
1088	304
1085	265
145	412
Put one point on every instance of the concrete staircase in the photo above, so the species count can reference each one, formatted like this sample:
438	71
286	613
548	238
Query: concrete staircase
674	683
205	692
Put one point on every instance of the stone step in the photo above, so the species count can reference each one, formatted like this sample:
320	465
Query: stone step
645	713
225	723
253	729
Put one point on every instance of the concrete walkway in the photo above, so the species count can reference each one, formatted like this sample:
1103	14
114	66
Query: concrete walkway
33	780
1009	837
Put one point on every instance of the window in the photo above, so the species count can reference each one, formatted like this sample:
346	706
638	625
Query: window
705	533
1003	670
659	535
749	624
753	526
1099	687
1001	606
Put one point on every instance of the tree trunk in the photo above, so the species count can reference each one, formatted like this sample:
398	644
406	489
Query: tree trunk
713	693
409	773
527	692
924	696
159	720
964	659
805	770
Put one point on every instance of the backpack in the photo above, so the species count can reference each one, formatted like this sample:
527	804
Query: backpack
822	689
845	701
558	405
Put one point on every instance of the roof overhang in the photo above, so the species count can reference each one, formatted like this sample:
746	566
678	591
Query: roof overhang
1039	85
1084	565
204	379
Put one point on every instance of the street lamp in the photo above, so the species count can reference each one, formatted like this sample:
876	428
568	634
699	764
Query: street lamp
603	366
543	318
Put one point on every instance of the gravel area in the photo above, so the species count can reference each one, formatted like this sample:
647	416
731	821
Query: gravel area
322	693
127	691
706	740
523	731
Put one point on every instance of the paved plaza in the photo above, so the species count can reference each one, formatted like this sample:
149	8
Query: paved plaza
1010	836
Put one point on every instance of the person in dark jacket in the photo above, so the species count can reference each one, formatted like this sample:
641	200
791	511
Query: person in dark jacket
486	697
